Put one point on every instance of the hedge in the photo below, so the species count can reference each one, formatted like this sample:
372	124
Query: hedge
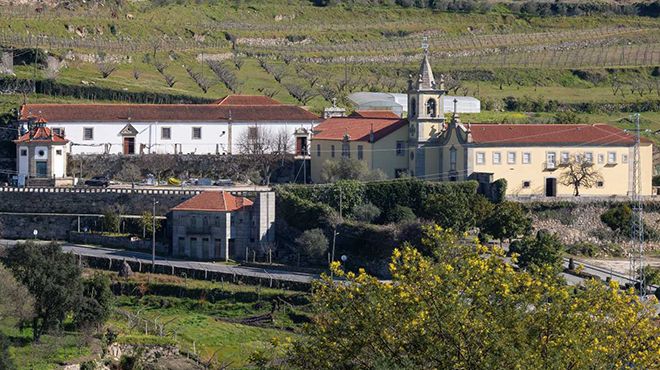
385	195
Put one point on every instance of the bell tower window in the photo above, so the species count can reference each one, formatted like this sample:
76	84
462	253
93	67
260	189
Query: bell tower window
413	108
431	108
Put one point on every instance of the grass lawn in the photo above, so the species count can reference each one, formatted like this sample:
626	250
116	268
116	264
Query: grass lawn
52	351
195	326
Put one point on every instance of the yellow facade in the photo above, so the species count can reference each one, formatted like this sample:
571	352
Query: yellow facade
529	171
381	154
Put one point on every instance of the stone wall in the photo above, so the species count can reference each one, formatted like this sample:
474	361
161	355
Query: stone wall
90	201
48	227
581	223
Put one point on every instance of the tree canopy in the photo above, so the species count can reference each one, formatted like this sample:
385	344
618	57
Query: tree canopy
466	308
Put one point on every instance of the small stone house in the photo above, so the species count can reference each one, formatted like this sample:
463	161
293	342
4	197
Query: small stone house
217	225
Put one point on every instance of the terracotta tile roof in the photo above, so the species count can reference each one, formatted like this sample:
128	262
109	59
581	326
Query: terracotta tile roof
358	129
41	134
166	112
247	100
374	114
214	201
579	134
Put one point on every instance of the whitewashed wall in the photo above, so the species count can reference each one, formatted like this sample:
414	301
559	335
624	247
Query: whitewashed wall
215	136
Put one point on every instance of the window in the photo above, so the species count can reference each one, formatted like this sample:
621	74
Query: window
550	159
511	158
481	158
624	158
23	152
58	152
589	157
217	221
345	150
431	108
413	108
497	158
360	154
527	158
611	157
599	184
166	133
58	131
565	157
601	158
526	184
193	221
253	132
332	151
452	159
318	150
88	133
400	147
196	133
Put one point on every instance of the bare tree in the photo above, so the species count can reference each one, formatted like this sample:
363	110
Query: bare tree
303	94
16	302
268	92
238	61
327	92
580	172
160	66
199	78
227	76
136	73
106	68
264	148
169	79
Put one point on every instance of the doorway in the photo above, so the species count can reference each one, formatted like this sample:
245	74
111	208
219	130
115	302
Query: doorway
129	145
550	187
41	168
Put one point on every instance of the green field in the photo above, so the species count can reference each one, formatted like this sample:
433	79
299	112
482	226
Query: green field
202	318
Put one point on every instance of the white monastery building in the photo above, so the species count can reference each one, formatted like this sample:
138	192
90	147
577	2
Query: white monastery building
216	128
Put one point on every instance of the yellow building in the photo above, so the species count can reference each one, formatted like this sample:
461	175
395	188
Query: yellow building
533	158
378	138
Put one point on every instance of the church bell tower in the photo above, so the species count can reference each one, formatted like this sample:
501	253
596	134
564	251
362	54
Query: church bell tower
425	112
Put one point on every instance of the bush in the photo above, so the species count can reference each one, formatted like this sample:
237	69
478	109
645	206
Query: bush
366	212
400	214
6	362
618	218
313	244
111	221
545	249
583	249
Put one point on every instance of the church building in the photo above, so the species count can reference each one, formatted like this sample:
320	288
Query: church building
534	159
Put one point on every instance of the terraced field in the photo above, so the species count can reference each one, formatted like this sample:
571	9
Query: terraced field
308	55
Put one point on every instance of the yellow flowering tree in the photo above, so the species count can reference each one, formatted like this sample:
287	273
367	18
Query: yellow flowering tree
466	308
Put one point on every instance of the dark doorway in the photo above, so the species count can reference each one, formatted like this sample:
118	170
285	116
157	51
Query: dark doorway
232	248
129	145
41	169
551	187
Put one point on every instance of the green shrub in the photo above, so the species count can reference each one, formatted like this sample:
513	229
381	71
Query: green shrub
400	214
366	212
618	218
312	244
583	249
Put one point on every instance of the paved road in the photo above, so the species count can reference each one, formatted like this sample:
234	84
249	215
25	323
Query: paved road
92	251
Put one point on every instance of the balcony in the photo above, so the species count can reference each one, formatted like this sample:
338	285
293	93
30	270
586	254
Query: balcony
550	166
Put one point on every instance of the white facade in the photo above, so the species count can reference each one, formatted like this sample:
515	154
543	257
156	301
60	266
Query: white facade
168	137
398	103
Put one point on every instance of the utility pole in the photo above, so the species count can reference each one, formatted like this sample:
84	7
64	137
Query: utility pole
637	226
153	237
